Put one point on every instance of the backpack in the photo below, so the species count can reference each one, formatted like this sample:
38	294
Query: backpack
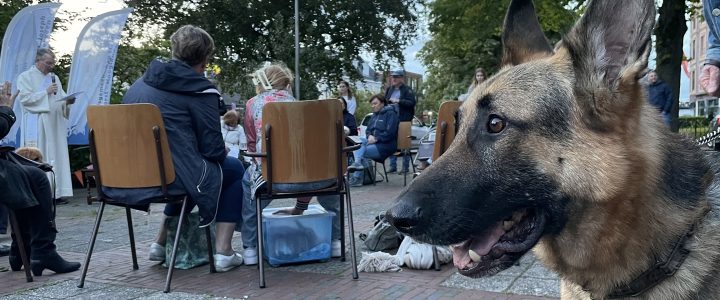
382	236
369	174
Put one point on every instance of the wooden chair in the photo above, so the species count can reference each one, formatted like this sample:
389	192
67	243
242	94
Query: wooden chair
444	135
447	127
129	149
15	227
303	142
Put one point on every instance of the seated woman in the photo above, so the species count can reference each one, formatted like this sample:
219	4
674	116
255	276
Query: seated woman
35	216
381	140
233	135
188	103
273	85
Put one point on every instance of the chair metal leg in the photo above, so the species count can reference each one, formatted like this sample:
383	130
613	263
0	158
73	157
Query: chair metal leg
436	260
260	245
208	237
171	265
341	219
132	238
352	232
21	245
93	237
384	171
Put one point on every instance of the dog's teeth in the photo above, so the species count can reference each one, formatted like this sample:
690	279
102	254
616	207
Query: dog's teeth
507	225
474	256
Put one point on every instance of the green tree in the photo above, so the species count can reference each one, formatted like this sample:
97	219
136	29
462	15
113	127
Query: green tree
333	34
465	34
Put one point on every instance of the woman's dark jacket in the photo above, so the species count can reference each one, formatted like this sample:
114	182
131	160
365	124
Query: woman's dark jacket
384	126
15	186
349	121
188	103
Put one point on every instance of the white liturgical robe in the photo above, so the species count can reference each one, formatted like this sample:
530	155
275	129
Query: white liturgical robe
50	132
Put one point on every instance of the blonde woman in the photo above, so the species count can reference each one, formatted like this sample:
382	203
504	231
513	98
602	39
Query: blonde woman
478	78
273	83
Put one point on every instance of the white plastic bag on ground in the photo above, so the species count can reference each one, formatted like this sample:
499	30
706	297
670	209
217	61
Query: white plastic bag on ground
419	256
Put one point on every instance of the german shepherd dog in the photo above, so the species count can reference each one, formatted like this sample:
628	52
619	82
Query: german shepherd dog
561	152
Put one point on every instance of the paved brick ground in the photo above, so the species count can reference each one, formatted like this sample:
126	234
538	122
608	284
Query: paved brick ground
111	275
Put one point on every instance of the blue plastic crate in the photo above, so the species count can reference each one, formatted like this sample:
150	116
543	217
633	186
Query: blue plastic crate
300	238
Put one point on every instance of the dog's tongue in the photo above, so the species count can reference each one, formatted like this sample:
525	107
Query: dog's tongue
480	244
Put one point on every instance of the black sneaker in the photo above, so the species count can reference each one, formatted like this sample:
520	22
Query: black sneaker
61	201
4	250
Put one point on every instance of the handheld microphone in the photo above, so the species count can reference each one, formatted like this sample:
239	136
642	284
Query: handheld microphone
52	77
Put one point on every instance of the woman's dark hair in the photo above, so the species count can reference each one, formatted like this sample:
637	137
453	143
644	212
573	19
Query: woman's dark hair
350	93
379	97
344	104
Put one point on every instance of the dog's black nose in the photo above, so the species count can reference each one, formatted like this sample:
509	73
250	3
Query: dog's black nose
405	216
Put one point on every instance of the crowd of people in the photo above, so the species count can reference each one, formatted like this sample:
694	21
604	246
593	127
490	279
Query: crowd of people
188	102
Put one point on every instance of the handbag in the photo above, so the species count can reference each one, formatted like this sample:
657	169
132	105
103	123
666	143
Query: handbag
382	236
192	248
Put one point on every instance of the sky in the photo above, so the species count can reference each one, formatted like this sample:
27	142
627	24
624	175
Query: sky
64	41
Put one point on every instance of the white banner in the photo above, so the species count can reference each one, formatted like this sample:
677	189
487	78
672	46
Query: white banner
28	31
92	66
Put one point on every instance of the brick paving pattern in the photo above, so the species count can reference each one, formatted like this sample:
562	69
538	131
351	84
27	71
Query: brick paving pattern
111	275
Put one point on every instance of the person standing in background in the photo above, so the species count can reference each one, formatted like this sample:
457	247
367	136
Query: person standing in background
40	93
660	96
478	78
401	95
347	95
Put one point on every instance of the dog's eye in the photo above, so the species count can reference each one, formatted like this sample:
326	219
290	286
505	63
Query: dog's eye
496	124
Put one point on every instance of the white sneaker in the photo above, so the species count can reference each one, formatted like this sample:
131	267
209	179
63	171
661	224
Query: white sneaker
336	249
225	263
251	257
157	252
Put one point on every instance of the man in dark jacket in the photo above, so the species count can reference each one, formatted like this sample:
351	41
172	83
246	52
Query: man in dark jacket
381	140
188	103
33	209
660	96
402	96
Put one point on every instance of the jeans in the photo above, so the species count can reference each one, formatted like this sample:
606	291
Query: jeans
249	214
366	151
406	163
229	207
666	118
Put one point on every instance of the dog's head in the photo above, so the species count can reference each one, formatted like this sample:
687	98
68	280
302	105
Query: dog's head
30	153
547	134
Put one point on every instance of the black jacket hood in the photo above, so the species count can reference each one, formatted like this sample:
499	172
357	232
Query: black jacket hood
175	76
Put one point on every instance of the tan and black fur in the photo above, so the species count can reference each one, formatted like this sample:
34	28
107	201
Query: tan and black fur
582	145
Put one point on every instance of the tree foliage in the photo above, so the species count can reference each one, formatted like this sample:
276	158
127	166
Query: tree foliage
333	35
465	34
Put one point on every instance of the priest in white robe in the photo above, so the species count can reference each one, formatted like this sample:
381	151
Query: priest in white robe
44	118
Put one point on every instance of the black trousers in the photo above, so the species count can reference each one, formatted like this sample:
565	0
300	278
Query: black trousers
36	223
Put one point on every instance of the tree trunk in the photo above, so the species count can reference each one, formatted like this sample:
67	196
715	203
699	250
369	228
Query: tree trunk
669	32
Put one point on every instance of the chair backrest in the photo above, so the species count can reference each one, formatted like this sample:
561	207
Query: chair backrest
446	127
125	152
305	141
403	135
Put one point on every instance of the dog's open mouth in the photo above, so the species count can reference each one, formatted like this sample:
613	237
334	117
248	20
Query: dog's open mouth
500	245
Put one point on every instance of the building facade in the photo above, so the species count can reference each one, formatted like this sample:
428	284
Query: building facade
703	104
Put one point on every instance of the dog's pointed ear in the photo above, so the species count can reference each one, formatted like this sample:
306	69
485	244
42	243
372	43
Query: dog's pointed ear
610	42
522	38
